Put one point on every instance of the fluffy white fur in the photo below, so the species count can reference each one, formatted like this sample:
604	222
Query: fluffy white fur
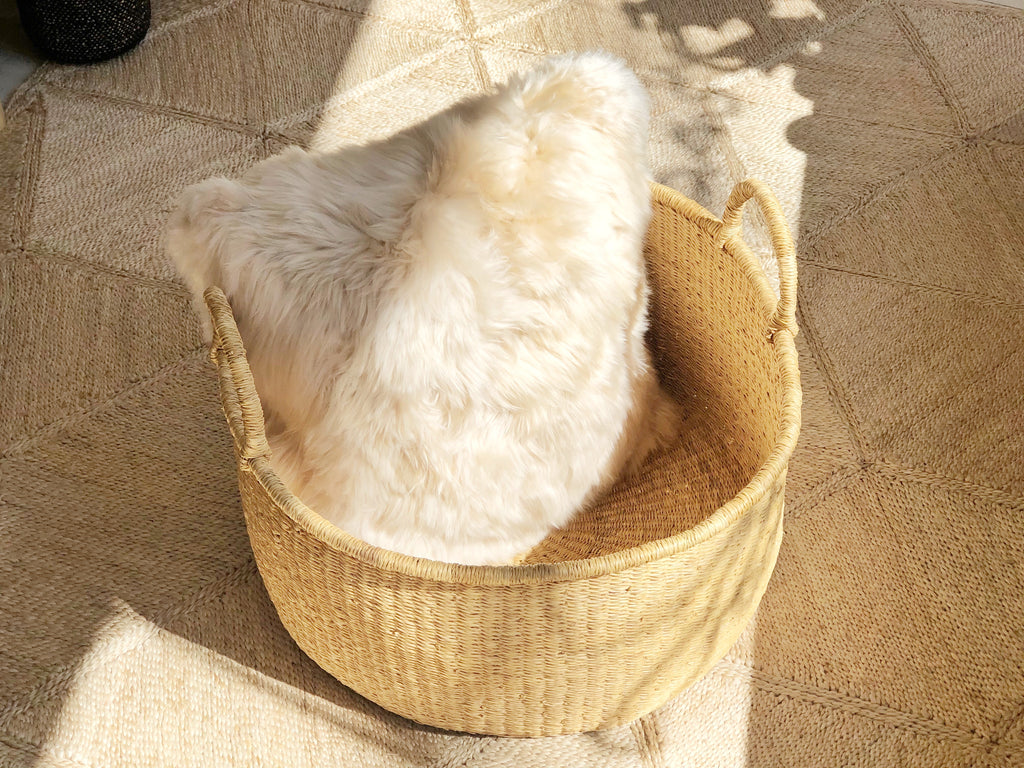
446	328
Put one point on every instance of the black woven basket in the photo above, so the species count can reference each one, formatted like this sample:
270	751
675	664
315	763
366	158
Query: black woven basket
84	31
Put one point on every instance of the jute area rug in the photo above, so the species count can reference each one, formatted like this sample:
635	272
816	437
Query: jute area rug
134	628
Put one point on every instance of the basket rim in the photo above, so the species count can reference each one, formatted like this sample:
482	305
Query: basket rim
766	476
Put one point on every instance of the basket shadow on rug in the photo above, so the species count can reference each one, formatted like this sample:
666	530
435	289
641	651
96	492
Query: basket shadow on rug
639	595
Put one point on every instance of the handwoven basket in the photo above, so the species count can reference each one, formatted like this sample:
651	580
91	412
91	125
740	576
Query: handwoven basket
639	595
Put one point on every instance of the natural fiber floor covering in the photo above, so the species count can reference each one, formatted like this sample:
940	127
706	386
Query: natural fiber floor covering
134	628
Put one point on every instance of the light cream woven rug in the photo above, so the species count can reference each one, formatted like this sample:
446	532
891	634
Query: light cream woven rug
134	629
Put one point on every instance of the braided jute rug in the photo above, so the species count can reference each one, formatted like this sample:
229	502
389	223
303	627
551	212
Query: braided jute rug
134	628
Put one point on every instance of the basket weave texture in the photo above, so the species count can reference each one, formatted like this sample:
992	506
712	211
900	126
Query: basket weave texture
639	595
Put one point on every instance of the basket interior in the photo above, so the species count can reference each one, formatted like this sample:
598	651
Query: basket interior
709	338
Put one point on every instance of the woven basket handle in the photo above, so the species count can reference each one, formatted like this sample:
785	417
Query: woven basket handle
237	391
784	316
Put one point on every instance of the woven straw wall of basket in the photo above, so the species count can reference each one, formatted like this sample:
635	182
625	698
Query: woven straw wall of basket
631	602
